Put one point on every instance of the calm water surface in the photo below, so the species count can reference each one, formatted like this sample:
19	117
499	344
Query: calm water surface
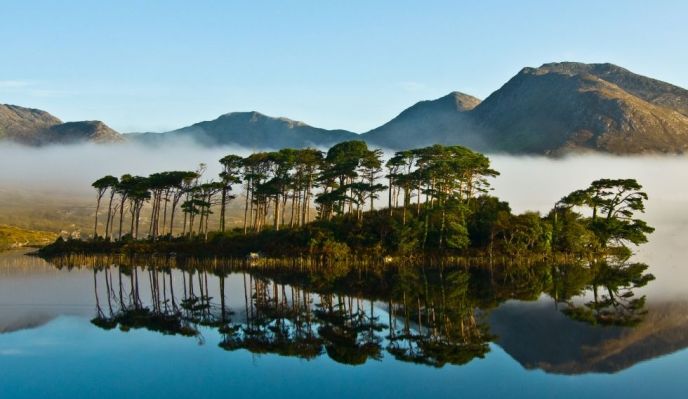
194	334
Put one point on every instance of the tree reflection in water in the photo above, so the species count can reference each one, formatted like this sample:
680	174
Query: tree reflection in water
431	315
611	284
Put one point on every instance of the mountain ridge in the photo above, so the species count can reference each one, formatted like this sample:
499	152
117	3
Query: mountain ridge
553	109
251	129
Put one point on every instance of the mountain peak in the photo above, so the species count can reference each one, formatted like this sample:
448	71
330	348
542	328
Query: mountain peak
258	117
463	101
425	122
253	129
243	114
566	106
651	90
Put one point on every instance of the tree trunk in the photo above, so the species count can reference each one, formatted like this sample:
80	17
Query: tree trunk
164	213
107	224
95	228
223	203
389	195
121	218
246	208
277	212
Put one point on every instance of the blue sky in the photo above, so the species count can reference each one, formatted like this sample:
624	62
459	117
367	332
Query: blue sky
348	64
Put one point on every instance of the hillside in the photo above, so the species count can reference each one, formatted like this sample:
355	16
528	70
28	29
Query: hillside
560	108
35	128
25	125
651	90
92	131
15	237
250	130
441	121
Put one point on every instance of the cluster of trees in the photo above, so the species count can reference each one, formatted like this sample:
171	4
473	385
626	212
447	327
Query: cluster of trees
278	188
282	187
164	191
437	199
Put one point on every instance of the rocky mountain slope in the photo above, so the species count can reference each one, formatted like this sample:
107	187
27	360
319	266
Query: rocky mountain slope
24	124
571	107
35	127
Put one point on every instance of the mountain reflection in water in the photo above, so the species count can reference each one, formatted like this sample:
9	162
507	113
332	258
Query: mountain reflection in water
568	318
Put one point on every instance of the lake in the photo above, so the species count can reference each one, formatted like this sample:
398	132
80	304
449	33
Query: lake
245	335
209	331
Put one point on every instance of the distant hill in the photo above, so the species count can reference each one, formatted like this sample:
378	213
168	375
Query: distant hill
93	131
441	121
250	130
554	109
35	127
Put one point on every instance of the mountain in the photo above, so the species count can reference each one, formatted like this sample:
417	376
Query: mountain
24	124
92	131
441	121
554	109
567	107
35	127
650	90
250	130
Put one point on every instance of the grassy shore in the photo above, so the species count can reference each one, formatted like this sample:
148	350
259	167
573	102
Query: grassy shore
15	237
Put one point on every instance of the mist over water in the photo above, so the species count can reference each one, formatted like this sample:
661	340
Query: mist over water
536	183
527	183
73	168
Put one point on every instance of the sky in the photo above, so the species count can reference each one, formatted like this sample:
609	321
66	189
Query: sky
160	65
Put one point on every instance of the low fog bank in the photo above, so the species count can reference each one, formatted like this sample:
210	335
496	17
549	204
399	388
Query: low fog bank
536	183
72	168
527	183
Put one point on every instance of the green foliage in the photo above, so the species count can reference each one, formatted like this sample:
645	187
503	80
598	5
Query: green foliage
445	208
613	204
484	213
571	233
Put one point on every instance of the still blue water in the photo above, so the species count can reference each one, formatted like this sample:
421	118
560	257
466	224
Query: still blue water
50	349
69	358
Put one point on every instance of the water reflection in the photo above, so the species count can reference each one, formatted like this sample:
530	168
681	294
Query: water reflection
612	283
431	315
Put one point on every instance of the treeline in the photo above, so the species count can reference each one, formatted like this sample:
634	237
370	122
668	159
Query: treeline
436	199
